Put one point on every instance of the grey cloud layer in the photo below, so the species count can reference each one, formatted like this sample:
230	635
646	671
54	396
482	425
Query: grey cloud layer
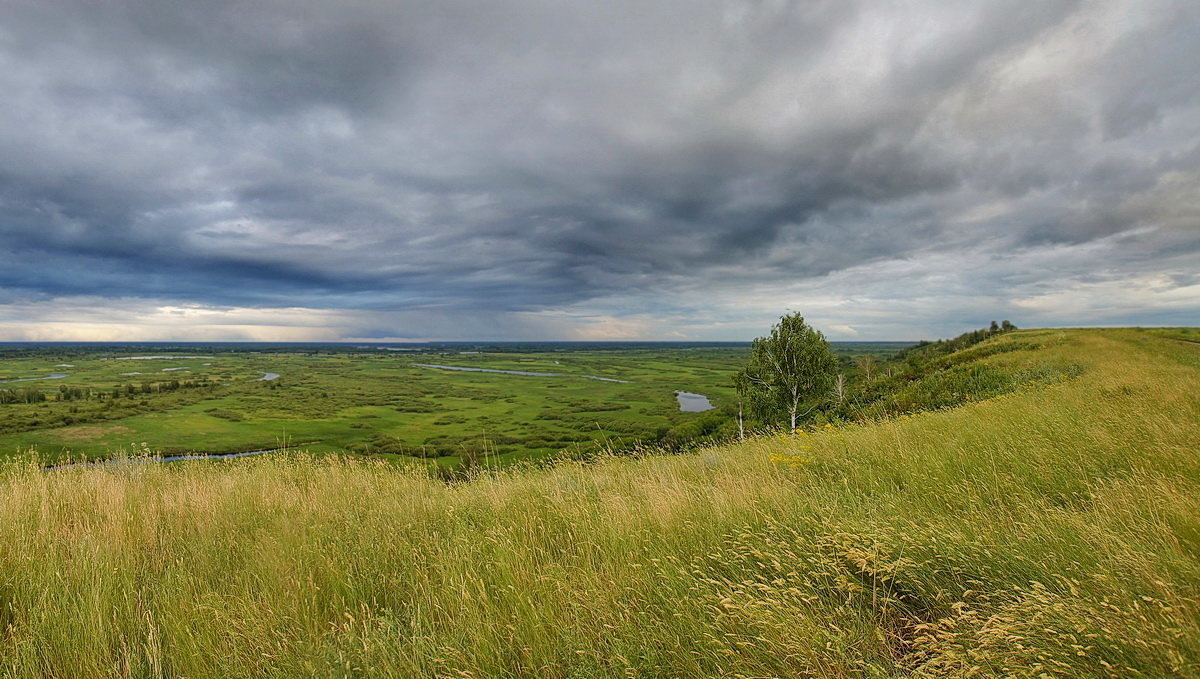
538	156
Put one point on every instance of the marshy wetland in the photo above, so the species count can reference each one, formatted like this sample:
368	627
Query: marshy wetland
505	405
423	404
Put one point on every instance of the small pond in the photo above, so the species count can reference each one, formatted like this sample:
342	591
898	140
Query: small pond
693	403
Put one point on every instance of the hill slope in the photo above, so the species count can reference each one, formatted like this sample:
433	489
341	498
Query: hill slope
1052	531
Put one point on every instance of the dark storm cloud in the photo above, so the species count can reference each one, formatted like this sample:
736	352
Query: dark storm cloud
543	157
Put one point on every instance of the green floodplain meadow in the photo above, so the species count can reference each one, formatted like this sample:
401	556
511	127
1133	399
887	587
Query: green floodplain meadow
1027	505
374	401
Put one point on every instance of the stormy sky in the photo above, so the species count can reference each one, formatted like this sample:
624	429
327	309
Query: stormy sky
627	169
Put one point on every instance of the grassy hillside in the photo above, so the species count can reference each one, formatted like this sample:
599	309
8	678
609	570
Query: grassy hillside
1053	530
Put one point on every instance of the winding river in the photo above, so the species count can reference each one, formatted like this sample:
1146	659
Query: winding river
117	462
54	376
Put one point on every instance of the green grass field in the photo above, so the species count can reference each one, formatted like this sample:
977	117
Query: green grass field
371	402
1052	531
330	402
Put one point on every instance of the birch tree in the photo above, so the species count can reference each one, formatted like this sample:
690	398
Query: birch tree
791	368
839	389
866	367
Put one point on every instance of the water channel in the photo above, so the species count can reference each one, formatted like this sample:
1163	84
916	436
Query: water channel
54	376
117	462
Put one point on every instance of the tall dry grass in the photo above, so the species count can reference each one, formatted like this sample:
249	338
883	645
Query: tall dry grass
1051	532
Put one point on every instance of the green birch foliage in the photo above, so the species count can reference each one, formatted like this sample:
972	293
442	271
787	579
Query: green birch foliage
789	373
